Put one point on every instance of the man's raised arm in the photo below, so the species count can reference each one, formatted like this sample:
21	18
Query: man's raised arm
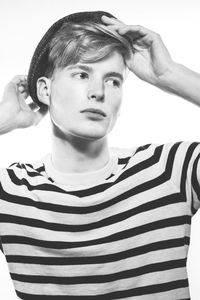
14	111
182	82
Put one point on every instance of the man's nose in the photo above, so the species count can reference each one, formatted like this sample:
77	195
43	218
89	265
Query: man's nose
96	90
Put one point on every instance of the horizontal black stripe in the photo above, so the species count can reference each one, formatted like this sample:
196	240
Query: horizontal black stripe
145	290
86	260
170	222
23	166
164	201
74	209
141	166
151	268
48	187
6	218
125	160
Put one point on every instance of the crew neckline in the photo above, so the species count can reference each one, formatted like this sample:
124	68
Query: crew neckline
80	179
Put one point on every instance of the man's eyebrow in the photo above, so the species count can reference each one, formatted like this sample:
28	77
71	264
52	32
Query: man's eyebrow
89	69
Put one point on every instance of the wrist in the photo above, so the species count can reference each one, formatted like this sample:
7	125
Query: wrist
168	79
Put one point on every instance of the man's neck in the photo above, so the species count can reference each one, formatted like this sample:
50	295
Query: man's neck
79	156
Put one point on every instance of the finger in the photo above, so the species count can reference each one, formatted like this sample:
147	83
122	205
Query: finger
132	31
21	89
115	27
109	20
20	82
140	31
19	78
132	28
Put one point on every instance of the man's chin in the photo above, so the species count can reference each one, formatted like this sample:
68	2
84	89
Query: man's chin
86	135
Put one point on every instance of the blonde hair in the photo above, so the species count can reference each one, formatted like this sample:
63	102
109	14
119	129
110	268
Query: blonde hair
85	42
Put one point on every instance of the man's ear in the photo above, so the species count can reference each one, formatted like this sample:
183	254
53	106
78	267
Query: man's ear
43	90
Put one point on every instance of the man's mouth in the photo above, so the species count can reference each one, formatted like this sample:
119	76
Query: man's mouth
94	111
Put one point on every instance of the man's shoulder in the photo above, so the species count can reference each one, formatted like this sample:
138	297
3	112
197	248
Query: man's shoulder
151	149
24	168
130	151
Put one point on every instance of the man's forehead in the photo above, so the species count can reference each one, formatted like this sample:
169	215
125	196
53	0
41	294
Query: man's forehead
115	72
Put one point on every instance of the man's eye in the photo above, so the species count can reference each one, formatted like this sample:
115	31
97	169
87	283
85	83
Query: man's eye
81	75
115	82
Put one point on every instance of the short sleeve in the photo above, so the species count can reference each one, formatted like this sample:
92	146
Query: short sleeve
183	168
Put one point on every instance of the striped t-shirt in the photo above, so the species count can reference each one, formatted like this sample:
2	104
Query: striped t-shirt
121	232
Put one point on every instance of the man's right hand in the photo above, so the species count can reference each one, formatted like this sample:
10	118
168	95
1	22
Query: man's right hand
14	111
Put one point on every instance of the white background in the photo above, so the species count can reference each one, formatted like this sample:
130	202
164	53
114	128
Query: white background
148	114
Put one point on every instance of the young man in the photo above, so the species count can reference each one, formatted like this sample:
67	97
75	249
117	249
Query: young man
89	221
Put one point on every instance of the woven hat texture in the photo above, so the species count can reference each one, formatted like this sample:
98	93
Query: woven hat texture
39	60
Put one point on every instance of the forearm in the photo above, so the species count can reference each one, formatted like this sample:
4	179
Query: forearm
7	123
182	82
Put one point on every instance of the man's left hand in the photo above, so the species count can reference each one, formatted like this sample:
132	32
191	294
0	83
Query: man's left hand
150	59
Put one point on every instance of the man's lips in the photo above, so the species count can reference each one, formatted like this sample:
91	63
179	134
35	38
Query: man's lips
94	110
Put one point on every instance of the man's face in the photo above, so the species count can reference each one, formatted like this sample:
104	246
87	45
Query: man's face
78	87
